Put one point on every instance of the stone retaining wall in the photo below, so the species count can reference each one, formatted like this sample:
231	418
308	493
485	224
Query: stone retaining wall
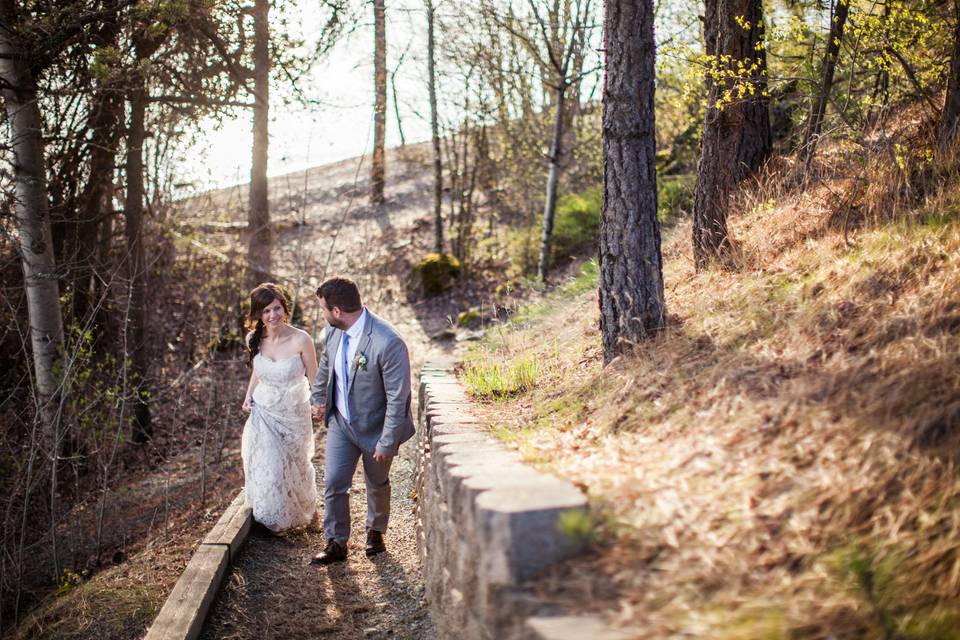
487	521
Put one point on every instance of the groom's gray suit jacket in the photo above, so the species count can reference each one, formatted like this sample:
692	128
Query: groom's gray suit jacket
378	397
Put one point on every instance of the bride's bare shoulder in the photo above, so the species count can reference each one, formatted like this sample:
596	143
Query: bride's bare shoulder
301	337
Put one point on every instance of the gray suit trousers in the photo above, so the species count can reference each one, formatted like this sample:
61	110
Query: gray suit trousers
342	453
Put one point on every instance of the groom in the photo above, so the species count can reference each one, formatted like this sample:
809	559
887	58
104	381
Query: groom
362	391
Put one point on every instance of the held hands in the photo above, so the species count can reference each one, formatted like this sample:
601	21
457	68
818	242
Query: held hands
380	457
247	404
318	411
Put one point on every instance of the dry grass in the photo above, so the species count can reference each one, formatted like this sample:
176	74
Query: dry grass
782	461
119	602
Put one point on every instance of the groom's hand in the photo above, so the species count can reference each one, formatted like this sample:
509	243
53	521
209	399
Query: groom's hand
318	411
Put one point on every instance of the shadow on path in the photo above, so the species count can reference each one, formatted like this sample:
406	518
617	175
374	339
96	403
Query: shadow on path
273	593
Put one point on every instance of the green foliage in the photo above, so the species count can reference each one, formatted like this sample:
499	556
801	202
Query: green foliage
579	526
468	318
586	280
435	274
674	196
486	379
68	582
577	222
95	389
880	578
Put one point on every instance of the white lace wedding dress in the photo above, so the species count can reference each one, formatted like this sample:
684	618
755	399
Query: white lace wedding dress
277	446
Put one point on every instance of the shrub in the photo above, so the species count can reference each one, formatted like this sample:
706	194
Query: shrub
468	319
434	274
577	222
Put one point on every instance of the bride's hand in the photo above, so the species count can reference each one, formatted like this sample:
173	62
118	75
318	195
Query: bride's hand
247	402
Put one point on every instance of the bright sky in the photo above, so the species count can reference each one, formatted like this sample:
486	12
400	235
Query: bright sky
343	83
343	126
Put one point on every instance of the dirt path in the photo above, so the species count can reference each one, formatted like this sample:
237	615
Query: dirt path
273	592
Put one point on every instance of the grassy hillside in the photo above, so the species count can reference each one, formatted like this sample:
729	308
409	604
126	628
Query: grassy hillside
781	462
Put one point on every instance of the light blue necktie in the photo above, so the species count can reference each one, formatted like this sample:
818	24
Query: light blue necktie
346	374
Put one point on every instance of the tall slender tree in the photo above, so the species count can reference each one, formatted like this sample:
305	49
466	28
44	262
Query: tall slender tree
839	10
18	87
377	168
632	305
561	39
258	211
736	128
105	123
135	341
434	129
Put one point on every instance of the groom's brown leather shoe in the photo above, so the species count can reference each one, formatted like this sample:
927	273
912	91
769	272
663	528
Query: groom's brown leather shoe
333	552
375	543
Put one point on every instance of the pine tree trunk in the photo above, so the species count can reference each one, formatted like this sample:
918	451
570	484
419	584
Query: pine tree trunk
31	210
757	138
377	169
435	132
550	205
135	326
259	265
951	108
838	19
739	129
631	275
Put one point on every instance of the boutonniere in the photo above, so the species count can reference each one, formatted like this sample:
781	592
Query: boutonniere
361	361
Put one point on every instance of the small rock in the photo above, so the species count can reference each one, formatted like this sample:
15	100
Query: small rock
446	334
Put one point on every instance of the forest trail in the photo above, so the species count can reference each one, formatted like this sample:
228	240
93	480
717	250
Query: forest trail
272	592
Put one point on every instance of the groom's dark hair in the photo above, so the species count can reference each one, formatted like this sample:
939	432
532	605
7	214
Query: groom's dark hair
340	292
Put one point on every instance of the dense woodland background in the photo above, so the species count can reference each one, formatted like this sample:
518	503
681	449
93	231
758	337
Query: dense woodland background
121	331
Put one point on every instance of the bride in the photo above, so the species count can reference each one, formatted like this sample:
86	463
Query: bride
277	444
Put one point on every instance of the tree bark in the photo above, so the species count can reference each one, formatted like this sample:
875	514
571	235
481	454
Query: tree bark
135	326
838	19
260	237
550	205
951	107
435	131
757	135
738	129
31	209
632	306
377	169
105	122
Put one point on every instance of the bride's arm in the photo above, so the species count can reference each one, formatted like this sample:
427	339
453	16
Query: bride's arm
254	380
308	353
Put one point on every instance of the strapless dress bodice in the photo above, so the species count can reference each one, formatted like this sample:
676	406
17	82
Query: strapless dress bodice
280	381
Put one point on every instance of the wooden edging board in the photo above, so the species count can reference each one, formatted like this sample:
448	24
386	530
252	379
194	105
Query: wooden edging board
183	614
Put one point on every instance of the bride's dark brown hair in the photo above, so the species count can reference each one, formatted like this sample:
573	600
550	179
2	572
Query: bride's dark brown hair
260	298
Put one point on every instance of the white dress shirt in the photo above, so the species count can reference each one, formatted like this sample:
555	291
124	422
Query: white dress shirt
355	332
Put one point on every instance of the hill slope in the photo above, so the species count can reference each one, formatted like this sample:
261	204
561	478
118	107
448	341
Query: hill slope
779	462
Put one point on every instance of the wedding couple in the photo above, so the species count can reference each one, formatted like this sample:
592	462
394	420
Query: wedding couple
361	390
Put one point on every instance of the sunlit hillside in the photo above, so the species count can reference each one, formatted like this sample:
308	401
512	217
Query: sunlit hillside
781	460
